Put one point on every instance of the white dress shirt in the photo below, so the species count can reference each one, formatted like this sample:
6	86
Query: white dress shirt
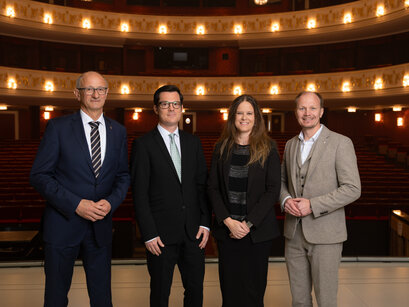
305	148
102	132
165	136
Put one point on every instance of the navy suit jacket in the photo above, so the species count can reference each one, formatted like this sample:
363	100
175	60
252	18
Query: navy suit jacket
62	172
165	206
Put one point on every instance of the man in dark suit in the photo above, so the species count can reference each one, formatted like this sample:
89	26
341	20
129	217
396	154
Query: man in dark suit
81	169
168	172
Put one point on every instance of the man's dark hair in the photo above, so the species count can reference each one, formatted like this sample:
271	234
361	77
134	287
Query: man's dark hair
166	88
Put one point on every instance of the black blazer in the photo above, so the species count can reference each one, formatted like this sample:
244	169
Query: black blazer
62	172
263	190
164	206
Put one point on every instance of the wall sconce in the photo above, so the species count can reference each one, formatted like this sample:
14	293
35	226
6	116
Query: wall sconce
260	2
200	30
275	27
351	109
3	107
238	29
311	87
163	29
399	122
124	27
46	115
237	91
380	10
135	115
225	114
405	81
378	117
200	90
49	108
48	18
347	18
406	3
125	90
86	23
346	87
397	108
10	12
274	90
49	86
311	24
265	110
378	84
11	83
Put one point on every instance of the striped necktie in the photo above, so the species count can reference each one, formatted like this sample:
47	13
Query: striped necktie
95	148
174	154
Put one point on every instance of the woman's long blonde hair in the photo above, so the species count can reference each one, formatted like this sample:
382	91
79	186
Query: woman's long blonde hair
260	143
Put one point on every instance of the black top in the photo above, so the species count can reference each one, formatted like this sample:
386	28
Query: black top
238	175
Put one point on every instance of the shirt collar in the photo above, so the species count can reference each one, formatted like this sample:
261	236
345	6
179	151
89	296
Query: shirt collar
165	133
314	137
86	118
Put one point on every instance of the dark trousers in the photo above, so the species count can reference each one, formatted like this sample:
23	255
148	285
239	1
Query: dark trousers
190	260
243	267
59	265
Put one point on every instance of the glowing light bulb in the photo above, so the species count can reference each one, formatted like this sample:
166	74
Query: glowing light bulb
124	27
163	29
49	86
238	29
48	18
347	18
200	30
275	27
86	23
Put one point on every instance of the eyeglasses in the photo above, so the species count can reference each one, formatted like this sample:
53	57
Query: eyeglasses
90	90
166	104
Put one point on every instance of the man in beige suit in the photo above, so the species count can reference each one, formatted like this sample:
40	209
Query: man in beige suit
319	177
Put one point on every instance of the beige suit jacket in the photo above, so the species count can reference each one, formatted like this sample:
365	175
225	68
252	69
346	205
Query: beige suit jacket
332	182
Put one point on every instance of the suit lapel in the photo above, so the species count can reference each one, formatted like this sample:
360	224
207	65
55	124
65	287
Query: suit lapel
78	130
317	151
226	169
184	154
295	160
164	150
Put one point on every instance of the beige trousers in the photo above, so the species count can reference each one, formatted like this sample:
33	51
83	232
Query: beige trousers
312	265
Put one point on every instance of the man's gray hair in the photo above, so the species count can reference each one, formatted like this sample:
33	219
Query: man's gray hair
78	84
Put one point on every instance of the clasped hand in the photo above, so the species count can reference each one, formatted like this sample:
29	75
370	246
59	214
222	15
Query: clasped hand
298	206
93	211
238	230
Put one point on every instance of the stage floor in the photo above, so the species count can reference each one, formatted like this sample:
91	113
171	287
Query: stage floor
361	284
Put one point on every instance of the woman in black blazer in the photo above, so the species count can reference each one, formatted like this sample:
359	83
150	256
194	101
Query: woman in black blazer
243	186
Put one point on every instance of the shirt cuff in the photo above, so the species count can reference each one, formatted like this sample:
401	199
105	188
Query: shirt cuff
207	228
151	240
283	203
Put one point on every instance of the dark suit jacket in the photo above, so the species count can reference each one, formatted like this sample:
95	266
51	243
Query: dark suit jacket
164	206
62	172
263	189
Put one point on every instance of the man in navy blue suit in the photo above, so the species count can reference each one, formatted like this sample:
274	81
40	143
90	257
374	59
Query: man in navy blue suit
81	169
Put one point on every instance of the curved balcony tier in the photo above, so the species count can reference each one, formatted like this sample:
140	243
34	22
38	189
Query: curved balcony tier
105	27
371	89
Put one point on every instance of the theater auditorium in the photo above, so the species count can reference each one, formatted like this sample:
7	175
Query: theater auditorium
354	53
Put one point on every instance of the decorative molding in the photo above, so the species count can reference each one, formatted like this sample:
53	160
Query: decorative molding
106	25
30	84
